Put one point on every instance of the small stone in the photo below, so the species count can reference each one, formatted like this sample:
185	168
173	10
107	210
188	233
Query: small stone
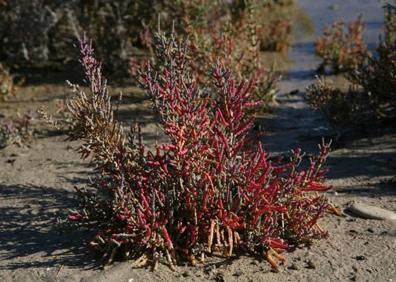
238	273
360	258
185	274
34	212
311	265
293	266
371	212
255	262
350	219
276	270
219	277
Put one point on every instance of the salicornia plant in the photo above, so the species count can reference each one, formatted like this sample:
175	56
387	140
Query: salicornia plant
210	189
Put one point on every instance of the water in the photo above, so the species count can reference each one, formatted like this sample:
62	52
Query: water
294	124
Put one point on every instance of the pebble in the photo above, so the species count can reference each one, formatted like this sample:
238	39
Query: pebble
10	161
371	212
185	274
34	212
360	258
311	265
238	273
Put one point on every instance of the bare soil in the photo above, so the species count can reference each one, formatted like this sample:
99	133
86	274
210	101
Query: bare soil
36	185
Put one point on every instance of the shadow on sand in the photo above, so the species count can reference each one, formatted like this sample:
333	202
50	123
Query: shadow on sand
29	233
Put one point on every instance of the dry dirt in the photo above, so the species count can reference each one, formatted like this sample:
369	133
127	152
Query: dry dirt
36	187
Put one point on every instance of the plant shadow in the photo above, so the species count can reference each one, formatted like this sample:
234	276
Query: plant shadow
29	234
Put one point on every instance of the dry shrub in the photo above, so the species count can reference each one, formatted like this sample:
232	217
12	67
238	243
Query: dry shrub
42	32
341	50
273	23
389	24
377	77
281	2
37	31
377	73
211	189
226	32
353	106
24	30
17	131
235	42
6	83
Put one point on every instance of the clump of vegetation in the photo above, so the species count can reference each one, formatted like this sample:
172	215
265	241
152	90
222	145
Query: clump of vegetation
371	95
353	106
273	22
16	131
277	36
240	29
377	74
41	32
238	47
281	2
6	83
229	34
341	50
211	189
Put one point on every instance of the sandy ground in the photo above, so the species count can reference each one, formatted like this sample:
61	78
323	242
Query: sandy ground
36	186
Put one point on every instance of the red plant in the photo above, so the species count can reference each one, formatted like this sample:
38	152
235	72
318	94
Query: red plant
210	189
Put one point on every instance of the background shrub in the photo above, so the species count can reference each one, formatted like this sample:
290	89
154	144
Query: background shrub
341	50
341	107
38	32
6	83
372	78
377	73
